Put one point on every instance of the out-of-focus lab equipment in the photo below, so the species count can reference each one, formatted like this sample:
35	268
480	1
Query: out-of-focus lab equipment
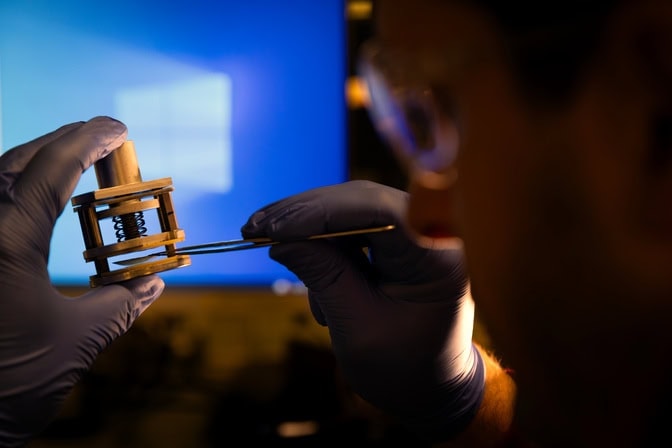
123	200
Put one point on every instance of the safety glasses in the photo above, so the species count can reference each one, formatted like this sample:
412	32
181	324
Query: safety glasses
409	114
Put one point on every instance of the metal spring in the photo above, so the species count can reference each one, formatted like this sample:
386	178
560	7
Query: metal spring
129	226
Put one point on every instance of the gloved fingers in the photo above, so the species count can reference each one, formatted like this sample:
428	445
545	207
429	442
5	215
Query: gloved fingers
348	206
395	254
145	290
356	204
51	176
107	312
14	161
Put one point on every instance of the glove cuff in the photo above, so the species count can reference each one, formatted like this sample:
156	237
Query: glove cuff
457	407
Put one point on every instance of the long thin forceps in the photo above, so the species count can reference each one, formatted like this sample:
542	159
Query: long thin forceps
244	244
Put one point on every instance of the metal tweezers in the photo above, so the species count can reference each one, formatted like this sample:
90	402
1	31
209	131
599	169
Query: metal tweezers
244	244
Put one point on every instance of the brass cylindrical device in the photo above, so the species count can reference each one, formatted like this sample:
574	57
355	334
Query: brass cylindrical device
124	199
120	167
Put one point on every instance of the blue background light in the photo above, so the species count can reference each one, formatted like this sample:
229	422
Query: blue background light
240	103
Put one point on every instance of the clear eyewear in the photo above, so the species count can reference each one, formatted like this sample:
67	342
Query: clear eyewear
407	115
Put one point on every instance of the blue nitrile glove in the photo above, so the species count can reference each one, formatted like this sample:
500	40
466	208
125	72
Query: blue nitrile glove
400	319
47	340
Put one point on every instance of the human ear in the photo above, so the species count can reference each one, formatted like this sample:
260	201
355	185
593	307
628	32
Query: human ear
647	33
654	47
640	39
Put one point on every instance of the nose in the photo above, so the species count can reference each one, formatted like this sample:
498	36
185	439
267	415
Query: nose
431	209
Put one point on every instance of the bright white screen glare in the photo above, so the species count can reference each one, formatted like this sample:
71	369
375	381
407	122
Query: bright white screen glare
240	103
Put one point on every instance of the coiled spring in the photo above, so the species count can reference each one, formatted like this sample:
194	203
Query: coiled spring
129	226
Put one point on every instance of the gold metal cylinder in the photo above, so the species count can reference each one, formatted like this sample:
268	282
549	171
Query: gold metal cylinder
120	167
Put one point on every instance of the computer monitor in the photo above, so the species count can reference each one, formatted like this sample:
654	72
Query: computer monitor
240	103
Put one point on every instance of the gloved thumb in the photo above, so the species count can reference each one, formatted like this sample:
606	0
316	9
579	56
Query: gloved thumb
106	313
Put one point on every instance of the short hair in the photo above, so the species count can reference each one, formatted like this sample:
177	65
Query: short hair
550	43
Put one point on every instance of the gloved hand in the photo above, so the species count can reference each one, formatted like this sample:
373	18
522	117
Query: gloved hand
400	317
47	340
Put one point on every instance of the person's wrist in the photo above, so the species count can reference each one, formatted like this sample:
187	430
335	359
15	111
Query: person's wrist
492	427
456	404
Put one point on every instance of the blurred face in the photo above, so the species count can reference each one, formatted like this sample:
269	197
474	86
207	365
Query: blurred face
554	204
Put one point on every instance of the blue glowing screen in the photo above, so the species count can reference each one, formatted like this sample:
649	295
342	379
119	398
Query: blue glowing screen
240	103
